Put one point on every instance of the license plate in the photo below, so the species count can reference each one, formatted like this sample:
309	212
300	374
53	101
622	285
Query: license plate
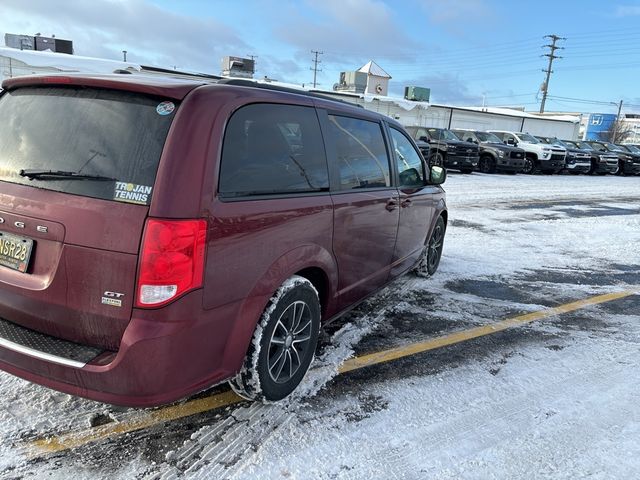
15	251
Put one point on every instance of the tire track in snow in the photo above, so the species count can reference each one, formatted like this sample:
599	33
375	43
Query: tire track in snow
222	450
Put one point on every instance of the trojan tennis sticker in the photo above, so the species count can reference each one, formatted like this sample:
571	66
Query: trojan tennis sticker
132	193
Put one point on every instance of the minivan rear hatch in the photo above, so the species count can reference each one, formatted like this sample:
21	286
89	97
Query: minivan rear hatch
77	171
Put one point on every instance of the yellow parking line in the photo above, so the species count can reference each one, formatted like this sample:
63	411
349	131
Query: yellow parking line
71	440
457	337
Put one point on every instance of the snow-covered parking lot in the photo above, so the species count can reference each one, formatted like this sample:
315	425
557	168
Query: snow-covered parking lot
556	396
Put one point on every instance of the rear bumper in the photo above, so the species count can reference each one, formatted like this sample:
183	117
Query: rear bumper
159	361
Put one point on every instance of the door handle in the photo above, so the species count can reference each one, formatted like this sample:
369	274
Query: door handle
405	203
391	205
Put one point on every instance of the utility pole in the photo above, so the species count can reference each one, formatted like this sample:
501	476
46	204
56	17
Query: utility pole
124	55
552	49
253	57
315	66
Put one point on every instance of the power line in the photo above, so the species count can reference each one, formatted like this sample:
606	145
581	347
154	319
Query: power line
552	57
315	65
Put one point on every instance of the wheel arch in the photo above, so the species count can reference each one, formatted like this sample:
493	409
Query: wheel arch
312	262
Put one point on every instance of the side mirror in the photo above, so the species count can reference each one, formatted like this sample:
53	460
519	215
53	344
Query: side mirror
424	138
437	175
410	178
511	141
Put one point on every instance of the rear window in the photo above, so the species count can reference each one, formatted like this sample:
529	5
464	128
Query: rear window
115	136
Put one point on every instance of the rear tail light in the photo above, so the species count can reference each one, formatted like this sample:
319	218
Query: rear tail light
171	260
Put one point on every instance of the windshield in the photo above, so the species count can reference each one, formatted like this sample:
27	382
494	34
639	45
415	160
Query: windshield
544	140
633	148
94	134
465	135
560	143
488	137
525	137
441	134
612	147
570	144
584	146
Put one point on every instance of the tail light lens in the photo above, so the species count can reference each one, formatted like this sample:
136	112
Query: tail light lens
171	260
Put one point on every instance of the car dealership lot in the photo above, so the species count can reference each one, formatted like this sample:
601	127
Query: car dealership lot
556	397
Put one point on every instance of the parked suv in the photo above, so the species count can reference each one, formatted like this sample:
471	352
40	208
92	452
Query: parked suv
627	161
577	161
494	155
602	162
630	156
160	236
446	149
538	156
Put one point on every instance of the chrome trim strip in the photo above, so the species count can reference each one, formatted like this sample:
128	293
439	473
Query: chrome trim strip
16	347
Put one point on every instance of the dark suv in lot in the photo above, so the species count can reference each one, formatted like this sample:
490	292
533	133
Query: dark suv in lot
628	163
494	155
602	162
630	156
446	149
160	236
577	160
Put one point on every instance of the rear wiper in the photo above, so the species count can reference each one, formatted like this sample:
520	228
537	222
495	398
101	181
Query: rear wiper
55	174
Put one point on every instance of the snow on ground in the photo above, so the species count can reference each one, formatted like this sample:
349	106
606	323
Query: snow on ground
559	400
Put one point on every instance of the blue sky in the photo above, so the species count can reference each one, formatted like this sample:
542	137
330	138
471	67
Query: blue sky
464	50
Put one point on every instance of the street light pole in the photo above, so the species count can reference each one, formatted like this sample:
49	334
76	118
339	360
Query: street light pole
124	54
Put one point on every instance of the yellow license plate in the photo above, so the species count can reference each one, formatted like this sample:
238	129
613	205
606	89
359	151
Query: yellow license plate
15	251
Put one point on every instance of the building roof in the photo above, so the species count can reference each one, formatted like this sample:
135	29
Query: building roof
372	68
67	63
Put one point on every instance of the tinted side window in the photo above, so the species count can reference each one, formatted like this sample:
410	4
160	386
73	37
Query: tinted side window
361	153
271	149
410	165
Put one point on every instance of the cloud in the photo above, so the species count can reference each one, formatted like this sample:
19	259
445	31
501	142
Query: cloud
627	11
346	29
348	32
150	34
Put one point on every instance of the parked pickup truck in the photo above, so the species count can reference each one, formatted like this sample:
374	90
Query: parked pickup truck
538	156
494	155
577	161
446	149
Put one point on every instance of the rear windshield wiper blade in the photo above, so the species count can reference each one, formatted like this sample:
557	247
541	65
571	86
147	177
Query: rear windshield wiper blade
61	174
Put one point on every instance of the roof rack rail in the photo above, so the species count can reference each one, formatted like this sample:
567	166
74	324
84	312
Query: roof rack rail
252	83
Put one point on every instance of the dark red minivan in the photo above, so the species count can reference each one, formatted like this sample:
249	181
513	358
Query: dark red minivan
159	236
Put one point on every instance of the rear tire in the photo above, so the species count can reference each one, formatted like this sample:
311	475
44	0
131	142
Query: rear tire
430	258
283	344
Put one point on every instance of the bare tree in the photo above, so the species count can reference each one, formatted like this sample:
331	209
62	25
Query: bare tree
619	131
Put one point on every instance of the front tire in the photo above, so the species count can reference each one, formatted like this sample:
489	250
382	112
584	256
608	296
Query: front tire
430	258
487	164
529	165
283	344
438	159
